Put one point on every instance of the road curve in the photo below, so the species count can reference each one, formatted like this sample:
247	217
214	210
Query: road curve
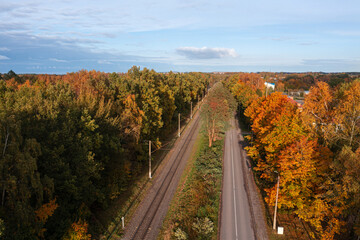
236	217
148	218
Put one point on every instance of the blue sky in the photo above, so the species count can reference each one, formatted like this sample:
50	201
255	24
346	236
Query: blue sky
222	35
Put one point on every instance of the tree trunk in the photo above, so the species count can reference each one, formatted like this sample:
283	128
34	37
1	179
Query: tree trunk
3	155
352	132
3	196
209	133
6	140
213	135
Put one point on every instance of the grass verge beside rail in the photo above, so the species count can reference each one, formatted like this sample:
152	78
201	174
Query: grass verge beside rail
193	212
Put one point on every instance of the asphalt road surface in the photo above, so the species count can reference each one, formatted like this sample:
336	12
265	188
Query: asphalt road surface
236	217
148	218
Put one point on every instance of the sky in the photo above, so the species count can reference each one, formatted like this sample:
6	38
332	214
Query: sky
187	35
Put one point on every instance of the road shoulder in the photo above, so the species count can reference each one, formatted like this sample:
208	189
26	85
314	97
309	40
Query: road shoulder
257	208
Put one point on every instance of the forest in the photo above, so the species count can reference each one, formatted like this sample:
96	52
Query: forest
72	143
314	150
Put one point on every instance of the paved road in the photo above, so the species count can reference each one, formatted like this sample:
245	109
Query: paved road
148	218
236	217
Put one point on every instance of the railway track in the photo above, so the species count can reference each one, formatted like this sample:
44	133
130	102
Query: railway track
148	225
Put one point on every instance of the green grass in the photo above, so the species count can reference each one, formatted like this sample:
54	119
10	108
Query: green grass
194	209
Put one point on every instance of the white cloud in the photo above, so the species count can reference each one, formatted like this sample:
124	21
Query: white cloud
104	62
206	52
57	60
4	57
3	49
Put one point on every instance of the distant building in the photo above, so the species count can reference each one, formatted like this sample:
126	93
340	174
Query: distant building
298	103
270	85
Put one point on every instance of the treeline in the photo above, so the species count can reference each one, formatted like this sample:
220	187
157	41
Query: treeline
314	149
75	141
303	81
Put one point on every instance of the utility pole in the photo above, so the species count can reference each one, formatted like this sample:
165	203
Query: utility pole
276	201
179	126
198	102
149	158
266	92
190	110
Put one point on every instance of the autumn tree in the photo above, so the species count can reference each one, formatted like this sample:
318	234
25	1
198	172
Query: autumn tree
78	137
303	168
318	111
245	87
216	111
347	116
275	124
43	213
282	144
132	118
78	231
346	141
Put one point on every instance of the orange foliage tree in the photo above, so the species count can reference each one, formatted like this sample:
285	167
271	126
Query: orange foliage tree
78	231
245	86
132	117
318	111
317	184
254	80
282	143
243	93
301	166
347	116
43	213
275	124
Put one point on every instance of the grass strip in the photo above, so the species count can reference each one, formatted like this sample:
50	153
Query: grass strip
193	212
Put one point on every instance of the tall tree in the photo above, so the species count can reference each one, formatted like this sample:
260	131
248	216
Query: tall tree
216	111
347	116
318	111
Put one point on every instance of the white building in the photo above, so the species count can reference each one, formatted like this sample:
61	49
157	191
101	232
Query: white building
270	85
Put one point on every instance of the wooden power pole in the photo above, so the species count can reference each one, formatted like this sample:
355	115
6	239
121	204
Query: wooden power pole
149	158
